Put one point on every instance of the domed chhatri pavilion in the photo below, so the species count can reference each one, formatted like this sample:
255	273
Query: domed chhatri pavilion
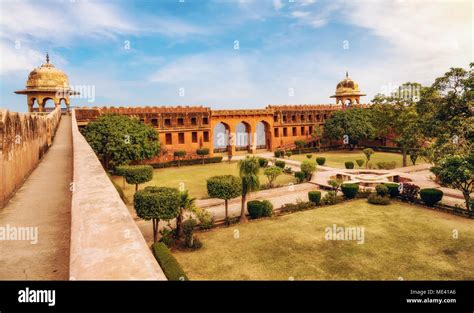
44	83
347	92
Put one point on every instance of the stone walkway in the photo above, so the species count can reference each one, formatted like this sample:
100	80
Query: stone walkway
44	202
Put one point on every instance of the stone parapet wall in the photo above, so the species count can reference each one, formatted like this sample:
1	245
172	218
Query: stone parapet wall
24	139
106	243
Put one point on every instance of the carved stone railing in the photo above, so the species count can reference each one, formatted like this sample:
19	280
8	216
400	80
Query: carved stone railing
24	139
106	243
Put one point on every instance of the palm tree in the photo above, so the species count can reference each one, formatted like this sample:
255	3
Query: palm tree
185	203
248	172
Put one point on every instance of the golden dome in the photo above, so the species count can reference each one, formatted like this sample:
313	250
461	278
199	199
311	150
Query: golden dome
47	77
347	87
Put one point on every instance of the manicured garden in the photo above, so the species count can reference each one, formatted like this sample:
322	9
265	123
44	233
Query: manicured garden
338	158
193	178
402	241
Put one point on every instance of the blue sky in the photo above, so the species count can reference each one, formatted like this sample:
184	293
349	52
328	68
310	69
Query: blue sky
182	53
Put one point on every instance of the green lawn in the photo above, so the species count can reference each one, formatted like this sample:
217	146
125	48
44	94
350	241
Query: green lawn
400	240
337	158
193	178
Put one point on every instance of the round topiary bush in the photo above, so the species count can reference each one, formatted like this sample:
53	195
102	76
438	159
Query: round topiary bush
350	190
255	209
360	162
393	189
431	196
379	200
315	196
137	174
267	208
382	190
349	165
300	176
263	162
279	153
309	156
280	164
320	160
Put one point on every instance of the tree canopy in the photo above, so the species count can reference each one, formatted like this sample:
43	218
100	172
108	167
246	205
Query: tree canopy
119	139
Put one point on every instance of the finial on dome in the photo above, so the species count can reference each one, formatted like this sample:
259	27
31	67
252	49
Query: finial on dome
47	58
347	74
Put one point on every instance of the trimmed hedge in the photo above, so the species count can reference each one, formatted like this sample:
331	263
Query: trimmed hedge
300	176
280	164
320	160
431	196
349	165
393	190
258	209
379	200
168	263
360	162
350	190
279	153
381	190
263	162
315	196
188	162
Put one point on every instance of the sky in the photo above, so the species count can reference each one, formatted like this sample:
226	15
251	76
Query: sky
230	54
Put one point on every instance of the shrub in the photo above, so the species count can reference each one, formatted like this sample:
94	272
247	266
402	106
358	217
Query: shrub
272	173
379	200
300	176
309	156
188	230
288	170
350	190
364	193
279	153
294	207
381	190
167	237
168	263
315	197
202	153
410	192
386	165
187	162
289	154
349	165
206	220
267	208
263	162
320	160
368	153
308	168
329	198
255	209
137	174
280	164
360	162
431	196
393	189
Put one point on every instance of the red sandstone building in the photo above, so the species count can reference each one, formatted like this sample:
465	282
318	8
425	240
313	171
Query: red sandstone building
190	128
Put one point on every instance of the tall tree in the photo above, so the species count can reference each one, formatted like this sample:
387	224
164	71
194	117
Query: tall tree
248	172
119	139
396	115
317	134
352	125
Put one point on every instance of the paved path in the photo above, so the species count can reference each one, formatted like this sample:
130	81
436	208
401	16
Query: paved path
44	202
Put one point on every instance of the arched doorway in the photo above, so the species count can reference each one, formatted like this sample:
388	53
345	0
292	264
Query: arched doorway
48	104
221	133
242	138
263	136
